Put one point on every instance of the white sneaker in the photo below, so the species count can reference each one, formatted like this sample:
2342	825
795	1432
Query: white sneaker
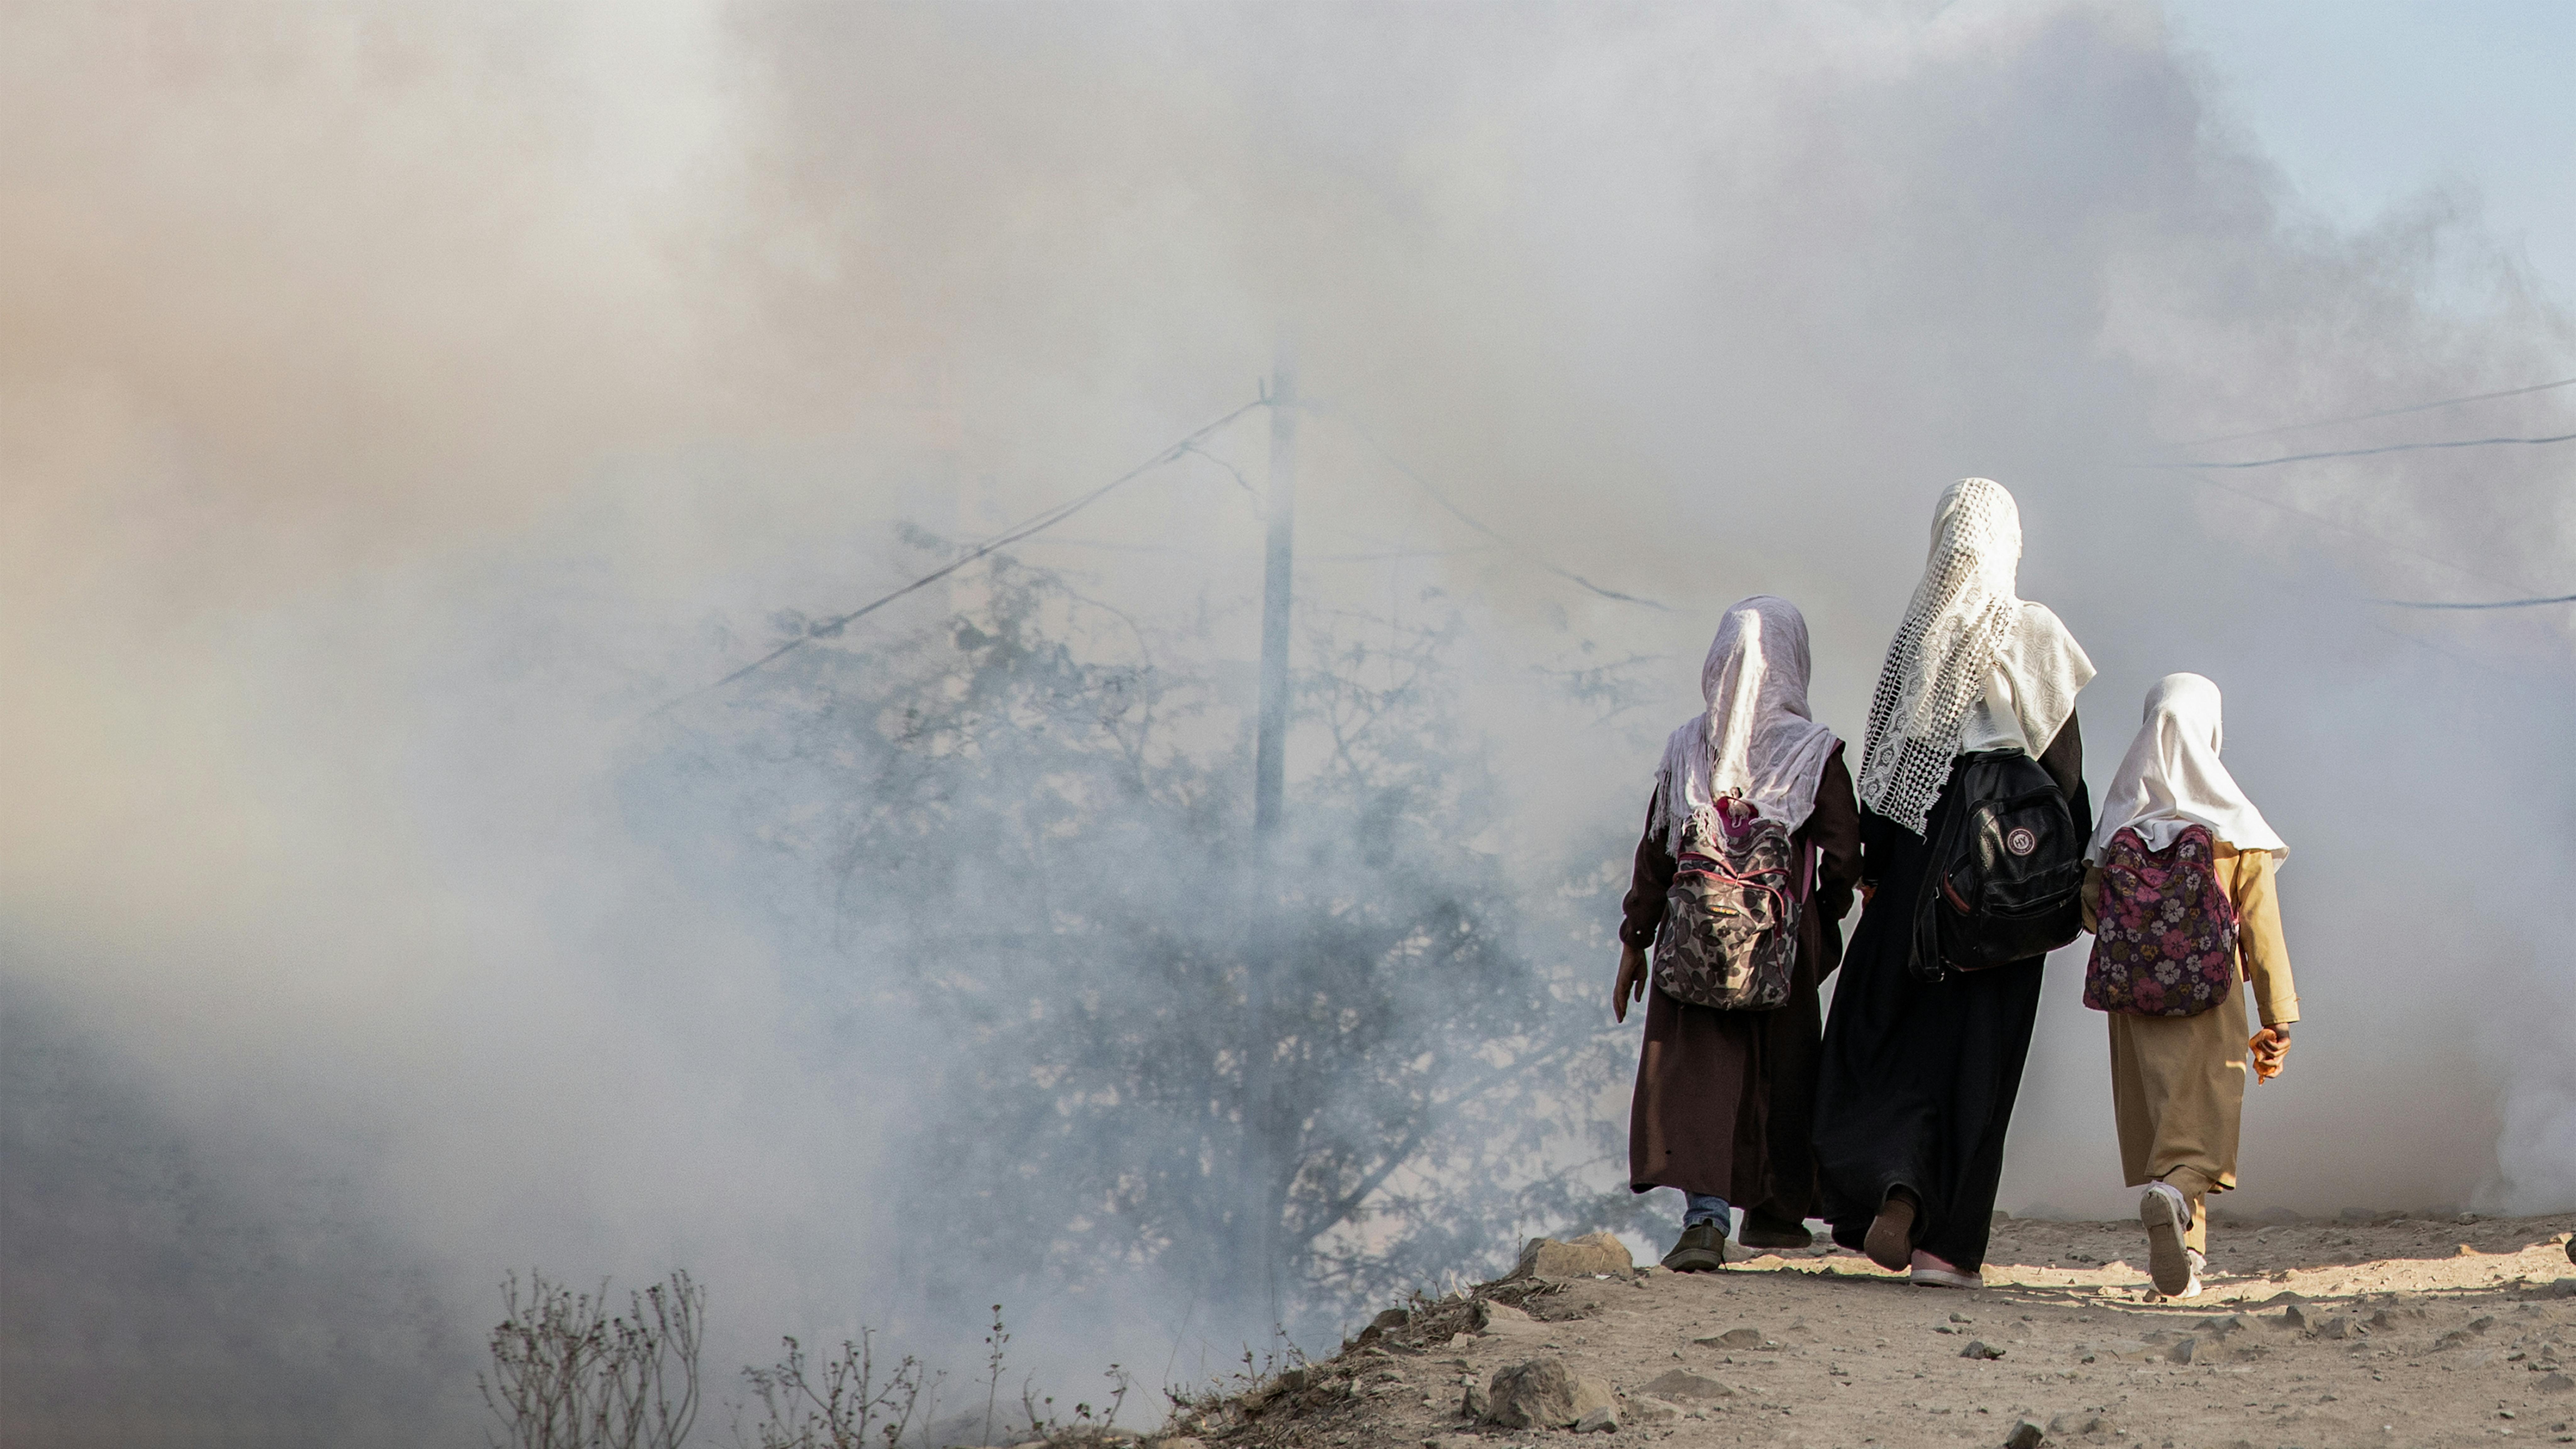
2169	1264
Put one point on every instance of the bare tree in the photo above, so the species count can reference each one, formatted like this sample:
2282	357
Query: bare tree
1341	1066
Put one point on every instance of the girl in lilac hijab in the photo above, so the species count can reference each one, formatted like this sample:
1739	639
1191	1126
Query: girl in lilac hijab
1722	1102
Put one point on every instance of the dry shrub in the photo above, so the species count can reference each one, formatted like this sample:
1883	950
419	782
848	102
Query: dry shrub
568	1374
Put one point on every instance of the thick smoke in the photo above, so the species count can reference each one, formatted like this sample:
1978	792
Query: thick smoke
399	405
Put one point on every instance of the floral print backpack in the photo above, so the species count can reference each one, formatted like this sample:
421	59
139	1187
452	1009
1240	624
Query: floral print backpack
2165	939
1730	933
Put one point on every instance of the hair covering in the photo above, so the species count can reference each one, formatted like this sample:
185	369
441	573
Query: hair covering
1966	636
2171	778
1755	742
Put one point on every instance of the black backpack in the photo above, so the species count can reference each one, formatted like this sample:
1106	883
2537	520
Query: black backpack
2004	881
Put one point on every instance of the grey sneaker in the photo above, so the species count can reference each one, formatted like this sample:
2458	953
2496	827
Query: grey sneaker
2164	1212
1702	1249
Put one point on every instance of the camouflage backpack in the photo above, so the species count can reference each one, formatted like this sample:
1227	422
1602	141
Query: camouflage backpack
1730	933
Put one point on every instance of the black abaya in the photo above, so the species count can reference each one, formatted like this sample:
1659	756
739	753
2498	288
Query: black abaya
1917	1083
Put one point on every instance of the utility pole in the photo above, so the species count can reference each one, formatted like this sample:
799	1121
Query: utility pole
1266	1178
1270	761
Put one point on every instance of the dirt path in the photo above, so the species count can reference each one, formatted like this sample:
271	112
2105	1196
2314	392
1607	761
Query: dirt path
2405	1332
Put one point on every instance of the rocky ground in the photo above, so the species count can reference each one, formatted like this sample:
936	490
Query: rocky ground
2381	1331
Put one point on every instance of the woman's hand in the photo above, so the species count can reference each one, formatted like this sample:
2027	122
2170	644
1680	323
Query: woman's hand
1632	982
2270	1046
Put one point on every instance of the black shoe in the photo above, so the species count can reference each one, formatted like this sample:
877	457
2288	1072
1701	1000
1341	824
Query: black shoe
1702	1249
1760	1231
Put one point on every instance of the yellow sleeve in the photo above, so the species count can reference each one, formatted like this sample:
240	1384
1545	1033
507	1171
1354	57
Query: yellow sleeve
2259	947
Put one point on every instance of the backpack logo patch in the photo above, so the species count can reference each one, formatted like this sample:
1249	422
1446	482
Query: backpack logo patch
2006	871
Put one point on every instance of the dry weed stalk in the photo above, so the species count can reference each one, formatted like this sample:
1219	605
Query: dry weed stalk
848	1406
568	1374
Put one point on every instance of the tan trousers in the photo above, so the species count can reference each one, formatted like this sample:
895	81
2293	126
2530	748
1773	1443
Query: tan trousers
2194	1188
2178	1095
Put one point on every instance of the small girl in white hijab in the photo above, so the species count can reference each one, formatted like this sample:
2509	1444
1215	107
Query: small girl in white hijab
2178	892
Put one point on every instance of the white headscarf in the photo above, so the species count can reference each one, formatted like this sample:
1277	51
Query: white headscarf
2171	778
1756	742
1966	636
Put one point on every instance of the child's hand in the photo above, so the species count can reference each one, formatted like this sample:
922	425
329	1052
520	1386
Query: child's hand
2270	1046
1632	982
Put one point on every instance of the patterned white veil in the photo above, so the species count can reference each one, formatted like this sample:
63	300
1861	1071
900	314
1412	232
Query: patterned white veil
1965	630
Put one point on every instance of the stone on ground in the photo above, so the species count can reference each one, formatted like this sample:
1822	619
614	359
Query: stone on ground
1645	1410
1542	1394
1548	1258
1683	1384
1503	1320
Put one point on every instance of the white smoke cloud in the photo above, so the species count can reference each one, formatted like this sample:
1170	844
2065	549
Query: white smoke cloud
397	406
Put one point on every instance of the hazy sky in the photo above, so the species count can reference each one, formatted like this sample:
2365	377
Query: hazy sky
2369	104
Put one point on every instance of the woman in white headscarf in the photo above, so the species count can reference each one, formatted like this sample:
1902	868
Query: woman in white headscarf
2178	1082
1917	1083
1722	1102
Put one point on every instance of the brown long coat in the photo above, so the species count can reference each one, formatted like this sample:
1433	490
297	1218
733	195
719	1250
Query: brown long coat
1724	1098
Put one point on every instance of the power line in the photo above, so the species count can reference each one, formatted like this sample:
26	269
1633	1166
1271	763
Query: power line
2383	413
2364	452
1035	524
2201	470
1400	553
2360	533
1106	546
2393	544
1464	517
2497	604
2401	548
1236	473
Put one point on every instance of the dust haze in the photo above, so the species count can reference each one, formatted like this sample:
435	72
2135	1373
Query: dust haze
400	406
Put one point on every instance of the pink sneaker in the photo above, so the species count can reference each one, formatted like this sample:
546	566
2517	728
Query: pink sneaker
1932	1272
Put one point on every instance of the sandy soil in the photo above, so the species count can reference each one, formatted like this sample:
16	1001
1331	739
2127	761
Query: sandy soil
2405	1332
